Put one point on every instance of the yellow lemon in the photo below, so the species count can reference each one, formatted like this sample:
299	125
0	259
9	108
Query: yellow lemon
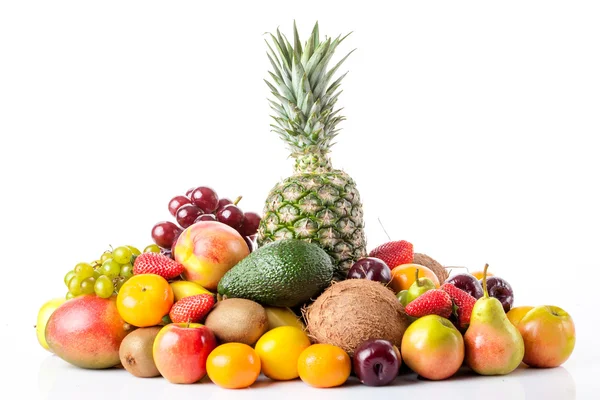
42	319
279	350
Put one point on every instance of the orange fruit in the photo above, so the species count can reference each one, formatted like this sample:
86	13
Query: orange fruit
233	365
405	275
279	350
144	300
324	366
479	274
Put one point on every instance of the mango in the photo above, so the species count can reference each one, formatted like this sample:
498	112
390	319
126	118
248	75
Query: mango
87	331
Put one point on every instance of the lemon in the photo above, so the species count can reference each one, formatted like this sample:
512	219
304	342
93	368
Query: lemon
42	319
279	350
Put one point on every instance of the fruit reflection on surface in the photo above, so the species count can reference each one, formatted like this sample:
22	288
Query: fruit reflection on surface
144	300
403	276
376	362
433	348
279	350
324	366
233	365
180	351
549	336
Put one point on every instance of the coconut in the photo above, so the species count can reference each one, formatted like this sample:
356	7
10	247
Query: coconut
436	267
353	311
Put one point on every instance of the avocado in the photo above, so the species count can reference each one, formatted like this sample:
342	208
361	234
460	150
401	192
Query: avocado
284	273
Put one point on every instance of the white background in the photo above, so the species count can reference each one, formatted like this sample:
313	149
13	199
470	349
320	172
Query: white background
471	131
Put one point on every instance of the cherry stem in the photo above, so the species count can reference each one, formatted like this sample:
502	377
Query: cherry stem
237	200
485	291
417	277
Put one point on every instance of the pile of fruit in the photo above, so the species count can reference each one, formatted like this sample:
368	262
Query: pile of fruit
292	293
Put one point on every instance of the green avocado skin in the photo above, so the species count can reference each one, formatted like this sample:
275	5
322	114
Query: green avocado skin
284	273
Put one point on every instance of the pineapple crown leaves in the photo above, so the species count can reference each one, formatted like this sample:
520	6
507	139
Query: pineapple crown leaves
304	99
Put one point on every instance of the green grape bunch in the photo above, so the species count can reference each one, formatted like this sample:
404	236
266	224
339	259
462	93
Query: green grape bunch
106	275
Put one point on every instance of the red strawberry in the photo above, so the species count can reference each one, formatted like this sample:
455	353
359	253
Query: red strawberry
159	264
432	302
464	303
394	253
192	308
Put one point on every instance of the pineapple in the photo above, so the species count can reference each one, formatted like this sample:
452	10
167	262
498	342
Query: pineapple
318	203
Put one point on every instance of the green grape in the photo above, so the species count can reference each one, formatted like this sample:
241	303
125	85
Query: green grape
152	249
75	285
104	287
97	273
122	255
84	270
105	256
126	271
87	285
111	268
69	296
134	250
68	277
119	283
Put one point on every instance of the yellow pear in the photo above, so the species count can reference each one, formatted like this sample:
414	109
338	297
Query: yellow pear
42	319
183	289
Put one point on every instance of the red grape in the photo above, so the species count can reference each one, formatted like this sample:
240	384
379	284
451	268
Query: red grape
249	224
223	202
177	202
187	214
189	192
231	215
165	233
205	198
206	217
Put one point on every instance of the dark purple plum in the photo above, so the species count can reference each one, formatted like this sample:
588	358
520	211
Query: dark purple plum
370	268
376	362
468	283
500	289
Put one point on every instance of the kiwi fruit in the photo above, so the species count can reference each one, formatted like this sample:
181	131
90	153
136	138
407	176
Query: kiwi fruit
237	320
353	311
135	352
436	267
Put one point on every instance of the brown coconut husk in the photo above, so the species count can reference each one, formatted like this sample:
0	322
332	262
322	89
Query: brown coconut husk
437	268
353	311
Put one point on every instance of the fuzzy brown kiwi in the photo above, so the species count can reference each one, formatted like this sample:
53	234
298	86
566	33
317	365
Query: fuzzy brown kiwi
135	352
436	267
353	311
237	320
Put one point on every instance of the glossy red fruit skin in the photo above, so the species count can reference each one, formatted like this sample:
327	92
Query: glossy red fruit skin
165	233
250	224
205	198
231	215
223	202
376	362
206	217
370	268
177	202
468	283
186	215
500	289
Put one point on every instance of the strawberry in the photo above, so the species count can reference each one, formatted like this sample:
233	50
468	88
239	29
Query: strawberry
192	308
394	253
432	302
463	303
159	264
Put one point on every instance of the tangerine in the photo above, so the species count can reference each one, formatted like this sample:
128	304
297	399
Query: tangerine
144	300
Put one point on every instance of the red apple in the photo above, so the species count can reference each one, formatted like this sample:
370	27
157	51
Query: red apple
180	351
549	336
207	250
433	348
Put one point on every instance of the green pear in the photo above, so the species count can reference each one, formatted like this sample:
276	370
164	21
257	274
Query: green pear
419	286
493	345
402	297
